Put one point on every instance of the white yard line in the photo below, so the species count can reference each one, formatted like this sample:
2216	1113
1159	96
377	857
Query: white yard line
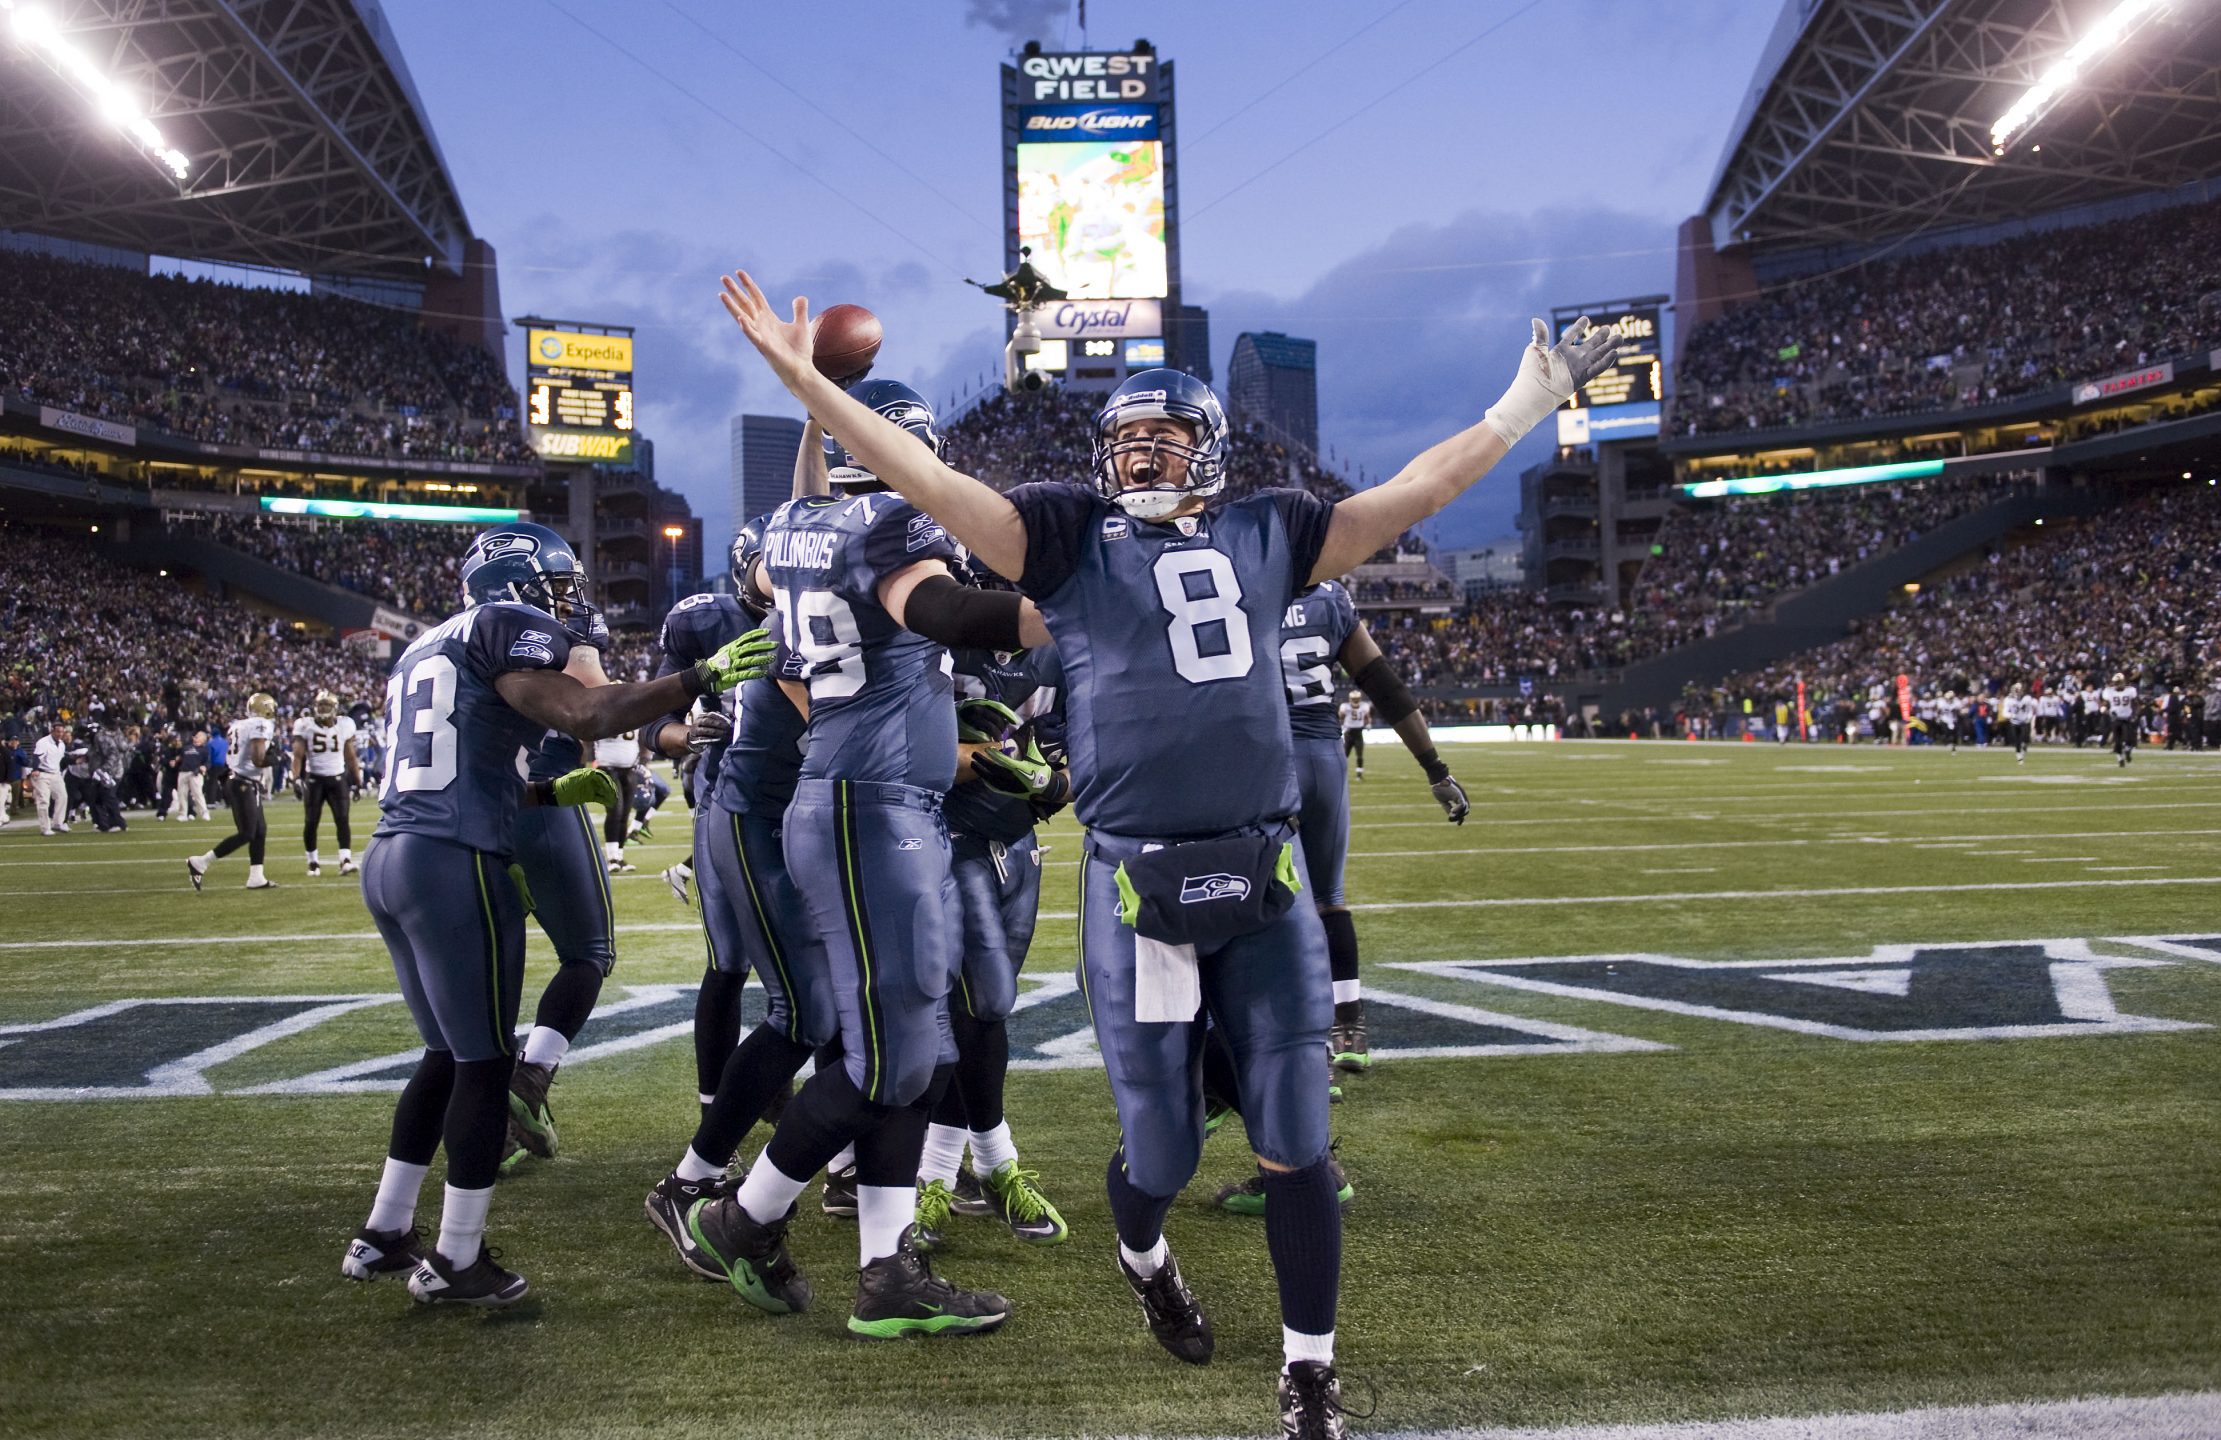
2154	1417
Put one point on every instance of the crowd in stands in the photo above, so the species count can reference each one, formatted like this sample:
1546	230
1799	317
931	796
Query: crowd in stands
2136	590
416	568
1959	326
79	629
225	364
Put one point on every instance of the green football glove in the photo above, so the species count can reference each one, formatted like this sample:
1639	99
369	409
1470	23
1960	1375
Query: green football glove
747	658
1023	774
984	722
524	891
587	786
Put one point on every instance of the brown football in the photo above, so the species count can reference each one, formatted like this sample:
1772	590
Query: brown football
844	341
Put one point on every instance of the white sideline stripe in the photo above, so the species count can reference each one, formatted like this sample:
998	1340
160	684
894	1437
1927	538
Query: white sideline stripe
2142	1417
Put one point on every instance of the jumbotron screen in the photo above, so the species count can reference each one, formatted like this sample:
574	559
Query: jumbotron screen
1094	213
578	396
1623	402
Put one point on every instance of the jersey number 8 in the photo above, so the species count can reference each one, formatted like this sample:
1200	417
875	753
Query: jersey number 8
1199	591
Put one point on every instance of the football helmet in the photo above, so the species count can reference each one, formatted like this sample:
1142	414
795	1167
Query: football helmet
747	549
262	705
524	562
1168	395
325	708
2120	678
899	403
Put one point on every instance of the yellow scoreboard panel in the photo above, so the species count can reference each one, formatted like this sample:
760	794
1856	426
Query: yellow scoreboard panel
578	396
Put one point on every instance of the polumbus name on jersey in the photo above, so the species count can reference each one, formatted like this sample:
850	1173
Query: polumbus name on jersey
800	549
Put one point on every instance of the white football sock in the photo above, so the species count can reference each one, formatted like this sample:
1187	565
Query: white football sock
1146	1263
545	1046
883	1212
703	1097
944	1151
1294	1346
254	875
463	1224
345	855
992	1149
842	1161
694	1167
314	858
767	1193
1347	991
395	1207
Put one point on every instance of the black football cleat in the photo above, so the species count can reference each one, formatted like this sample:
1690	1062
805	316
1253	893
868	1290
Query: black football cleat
968	1196
840	1193
752	1257
530	1120
1346	1040
195	870
482	1282
667	1207
373	1253
1169	1309
898	1296
1311	1403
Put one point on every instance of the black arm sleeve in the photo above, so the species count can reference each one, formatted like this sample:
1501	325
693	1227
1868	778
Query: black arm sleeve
1380	682
958	616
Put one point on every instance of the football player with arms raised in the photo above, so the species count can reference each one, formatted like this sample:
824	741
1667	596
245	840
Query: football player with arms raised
327	770
1166	612
468	701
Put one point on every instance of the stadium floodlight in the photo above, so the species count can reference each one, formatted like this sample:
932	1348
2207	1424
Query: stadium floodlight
36	30
2102	38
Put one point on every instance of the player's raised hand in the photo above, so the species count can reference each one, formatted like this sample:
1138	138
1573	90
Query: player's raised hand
1550	374
784	344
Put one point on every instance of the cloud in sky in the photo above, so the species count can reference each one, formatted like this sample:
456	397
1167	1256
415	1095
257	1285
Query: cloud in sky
1021	20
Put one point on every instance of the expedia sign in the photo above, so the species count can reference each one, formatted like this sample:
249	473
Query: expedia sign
1083	319
570	350
1040	123
1048	79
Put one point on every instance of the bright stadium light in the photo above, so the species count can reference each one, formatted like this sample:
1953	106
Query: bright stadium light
36	30
2103	37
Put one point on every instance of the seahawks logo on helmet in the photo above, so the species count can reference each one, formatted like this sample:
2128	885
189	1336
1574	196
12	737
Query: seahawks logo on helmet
899	404
526	563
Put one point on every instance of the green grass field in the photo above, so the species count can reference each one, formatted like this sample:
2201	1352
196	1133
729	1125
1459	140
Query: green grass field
1736	1198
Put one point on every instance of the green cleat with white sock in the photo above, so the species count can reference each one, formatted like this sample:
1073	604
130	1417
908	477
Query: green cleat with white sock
1023	1207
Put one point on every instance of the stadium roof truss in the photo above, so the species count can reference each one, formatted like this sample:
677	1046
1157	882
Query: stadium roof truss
1871	117
308	147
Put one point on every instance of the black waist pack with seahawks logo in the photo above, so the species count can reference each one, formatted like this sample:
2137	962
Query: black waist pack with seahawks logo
1207	892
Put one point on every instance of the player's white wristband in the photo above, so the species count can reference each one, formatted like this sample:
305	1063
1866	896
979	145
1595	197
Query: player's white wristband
1523	406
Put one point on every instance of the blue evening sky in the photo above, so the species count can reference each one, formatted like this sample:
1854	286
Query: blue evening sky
1402	182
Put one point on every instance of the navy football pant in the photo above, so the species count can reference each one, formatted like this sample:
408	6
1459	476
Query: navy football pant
455	928
885	913
755	919
1271	994
562	864
1323	821
998	890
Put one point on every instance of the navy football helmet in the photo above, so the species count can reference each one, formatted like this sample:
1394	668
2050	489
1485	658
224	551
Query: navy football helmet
899	403
525	562
747	549
1160	395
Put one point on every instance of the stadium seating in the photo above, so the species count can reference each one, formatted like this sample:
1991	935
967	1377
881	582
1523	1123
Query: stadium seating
415	568
229	365
1957	327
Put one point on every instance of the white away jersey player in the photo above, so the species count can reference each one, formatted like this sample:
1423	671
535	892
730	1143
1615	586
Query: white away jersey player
1356	714
2120	701
243	732
327	744
2020	709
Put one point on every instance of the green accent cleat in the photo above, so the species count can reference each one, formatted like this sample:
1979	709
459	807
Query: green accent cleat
935	1202
752	1256
1346	1042
1023	1207
969	1197
898	1296
1248	1197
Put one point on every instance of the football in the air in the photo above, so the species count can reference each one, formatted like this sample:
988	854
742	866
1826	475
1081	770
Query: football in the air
845	341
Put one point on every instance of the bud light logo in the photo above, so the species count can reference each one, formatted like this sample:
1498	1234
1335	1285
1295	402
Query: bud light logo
1203	889
1088	122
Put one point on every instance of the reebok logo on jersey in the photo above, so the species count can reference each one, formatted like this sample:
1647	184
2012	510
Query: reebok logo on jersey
537	637
1203	889
909	842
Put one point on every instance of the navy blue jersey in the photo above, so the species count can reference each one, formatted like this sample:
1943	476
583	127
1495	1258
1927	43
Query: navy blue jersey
559	754
1169	635
1311	635
459	752
765	759
698	627
881	703
1027	685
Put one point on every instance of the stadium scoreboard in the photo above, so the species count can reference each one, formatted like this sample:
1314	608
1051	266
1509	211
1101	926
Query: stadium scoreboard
578	401
1623	402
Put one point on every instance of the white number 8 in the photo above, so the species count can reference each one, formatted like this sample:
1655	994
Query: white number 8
1221	606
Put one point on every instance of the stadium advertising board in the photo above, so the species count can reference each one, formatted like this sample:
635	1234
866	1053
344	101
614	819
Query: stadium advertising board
578	395
1094	213
1074	320
89	426
2112	385
374	510
1064	78
1623	402
1814	479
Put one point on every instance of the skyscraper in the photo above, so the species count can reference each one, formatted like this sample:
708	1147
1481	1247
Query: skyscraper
1273	382
763	464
